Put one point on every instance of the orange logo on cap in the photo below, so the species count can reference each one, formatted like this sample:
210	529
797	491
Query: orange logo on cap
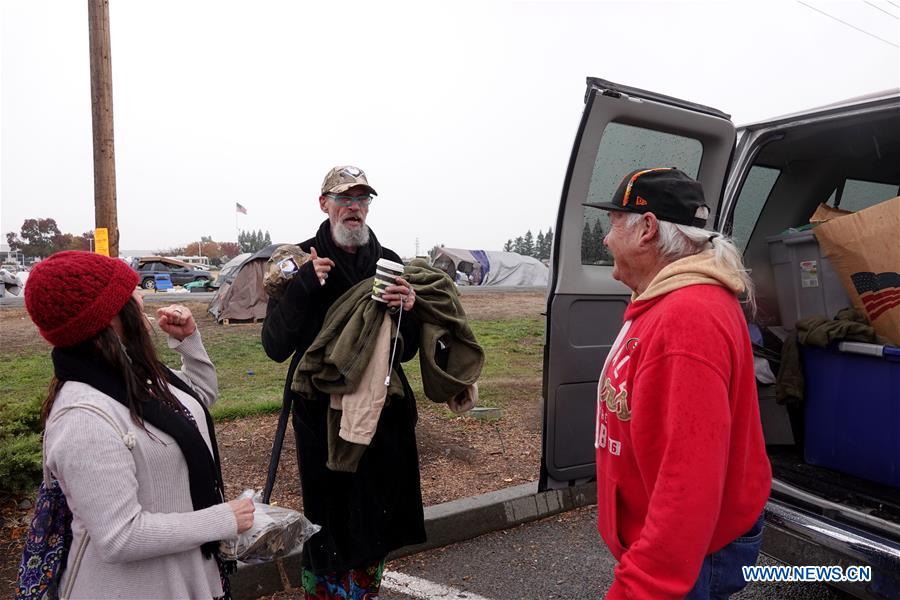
640	201
634	178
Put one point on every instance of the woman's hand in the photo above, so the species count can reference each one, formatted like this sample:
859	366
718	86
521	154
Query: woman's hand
177	321
400	294
243	513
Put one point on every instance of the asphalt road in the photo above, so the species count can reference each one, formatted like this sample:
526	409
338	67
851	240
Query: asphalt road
560	557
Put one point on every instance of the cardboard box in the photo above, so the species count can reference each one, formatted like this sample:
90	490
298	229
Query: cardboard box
863	249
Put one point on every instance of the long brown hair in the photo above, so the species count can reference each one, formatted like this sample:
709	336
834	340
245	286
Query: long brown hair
134	356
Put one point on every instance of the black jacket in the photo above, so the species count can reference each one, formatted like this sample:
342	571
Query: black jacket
367	514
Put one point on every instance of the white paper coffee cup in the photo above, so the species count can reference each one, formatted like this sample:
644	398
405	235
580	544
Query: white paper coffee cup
386	273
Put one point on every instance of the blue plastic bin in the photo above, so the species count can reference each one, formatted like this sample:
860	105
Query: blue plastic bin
852	410
163	282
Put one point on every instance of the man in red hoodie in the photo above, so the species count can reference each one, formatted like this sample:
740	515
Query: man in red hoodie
682	471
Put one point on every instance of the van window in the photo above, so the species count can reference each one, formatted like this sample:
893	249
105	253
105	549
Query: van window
624	148
858	194
752	199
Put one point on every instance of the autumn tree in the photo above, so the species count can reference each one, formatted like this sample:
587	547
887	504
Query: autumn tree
229	250
36	238
205	247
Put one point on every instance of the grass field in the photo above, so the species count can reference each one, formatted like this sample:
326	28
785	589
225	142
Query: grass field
249	382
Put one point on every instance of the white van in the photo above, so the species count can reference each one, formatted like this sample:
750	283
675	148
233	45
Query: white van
201	262
759	181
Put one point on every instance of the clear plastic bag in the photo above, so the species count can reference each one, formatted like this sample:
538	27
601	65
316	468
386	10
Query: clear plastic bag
275	532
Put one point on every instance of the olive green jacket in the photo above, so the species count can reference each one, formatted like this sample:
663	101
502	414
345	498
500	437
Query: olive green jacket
450	358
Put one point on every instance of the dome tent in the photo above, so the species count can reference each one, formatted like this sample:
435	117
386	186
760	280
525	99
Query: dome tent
486	267
241	295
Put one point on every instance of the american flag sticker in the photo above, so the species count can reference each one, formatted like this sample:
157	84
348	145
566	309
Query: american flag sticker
879	292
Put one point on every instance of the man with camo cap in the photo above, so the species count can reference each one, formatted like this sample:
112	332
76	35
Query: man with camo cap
366	514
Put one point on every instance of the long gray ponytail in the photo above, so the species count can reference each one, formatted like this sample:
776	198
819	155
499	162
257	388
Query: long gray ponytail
679	241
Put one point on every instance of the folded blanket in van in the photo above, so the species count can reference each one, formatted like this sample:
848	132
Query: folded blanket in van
850	325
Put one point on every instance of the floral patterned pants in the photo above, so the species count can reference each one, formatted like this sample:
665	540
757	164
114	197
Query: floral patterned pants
356	584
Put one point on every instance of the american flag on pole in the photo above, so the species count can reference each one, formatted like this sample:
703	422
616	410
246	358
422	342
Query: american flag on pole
879	292
239	208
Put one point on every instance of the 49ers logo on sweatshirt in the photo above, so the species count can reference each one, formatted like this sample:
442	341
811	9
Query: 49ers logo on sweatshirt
612	390
616	400
615	396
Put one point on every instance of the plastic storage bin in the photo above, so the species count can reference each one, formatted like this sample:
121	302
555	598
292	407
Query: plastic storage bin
852	410
162	282
805	282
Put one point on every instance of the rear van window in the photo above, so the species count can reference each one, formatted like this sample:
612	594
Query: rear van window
754	193
856	194
624	148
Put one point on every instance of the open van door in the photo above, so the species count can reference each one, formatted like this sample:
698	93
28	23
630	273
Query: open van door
622	129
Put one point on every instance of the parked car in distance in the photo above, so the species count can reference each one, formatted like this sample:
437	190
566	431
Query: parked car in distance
148	267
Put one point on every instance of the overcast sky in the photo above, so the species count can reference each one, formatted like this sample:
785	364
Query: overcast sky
462	113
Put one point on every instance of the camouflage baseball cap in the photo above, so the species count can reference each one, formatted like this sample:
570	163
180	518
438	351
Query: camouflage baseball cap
341	179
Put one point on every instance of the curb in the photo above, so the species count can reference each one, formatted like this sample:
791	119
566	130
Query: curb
445	524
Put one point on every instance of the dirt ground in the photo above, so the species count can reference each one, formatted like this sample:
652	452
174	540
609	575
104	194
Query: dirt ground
459	457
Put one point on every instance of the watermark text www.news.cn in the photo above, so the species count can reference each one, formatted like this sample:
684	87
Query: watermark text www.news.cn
816	573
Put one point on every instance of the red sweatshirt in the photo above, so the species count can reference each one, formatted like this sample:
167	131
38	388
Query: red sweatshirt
682	469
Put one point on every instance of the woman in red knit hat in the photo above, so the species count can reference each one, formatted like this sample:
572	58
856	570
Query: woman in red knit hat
130	441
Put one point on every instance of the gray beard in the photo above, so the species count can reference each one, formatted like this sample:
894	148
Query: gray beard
350	238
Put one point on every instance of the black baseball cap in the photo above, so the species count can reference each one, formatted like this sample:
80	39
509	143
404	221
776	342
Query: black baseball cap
664	191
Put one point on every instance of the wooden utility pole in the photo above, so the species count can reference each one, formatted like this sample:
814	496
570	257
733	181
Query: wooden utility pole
105	215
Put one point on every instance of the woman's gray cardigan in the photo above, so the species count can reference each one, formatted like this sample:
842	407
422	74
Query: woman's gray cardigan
136	534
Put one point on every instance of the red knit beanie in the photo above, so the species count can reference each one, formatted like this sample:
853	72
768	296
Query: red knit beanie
73	295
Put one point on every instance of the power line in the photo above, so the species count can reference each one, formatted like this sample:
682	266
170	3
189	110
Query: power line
848	24
881	9
892	3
